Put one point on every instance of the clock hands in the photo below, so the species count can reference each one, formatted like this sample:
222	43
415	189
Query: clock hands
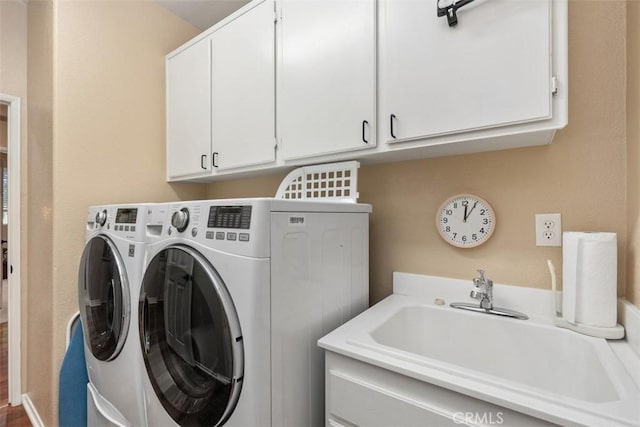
466	215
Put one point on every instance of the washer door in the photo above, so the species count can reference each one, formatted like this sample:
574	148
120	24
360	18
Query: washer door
104	300
191	339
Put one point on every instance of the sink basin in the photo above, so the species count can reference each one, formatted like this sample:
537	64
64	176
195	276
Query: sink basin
530	366
545	358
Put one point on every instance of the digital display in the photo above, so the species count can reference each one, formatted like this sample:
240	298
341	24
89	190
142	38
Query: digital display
229	217
126	216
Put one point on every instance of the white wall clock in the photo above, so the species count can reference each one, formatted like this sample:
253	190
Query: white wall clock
465	221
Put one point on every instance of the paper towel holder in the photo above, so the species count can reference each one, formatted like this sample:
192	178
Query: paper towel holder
610	333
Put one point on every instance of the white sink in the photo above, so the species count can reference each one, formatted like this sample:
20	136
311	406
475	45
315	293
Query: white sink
551	359
529	366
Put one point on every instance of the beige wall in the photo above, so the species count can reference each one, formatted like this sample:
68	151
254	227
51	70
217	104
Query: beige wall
102	126
633	149
38	350
581	175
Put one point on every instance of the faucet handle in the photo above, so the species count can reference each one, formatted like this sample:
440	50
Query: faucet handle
482	279
476	294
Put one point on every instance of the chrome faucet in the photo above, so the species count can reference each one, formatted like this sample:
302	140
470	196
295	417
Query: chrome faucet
483	290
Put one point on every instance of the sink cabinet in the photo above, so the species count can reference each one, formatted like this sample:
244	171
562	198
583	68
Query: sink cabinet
359	394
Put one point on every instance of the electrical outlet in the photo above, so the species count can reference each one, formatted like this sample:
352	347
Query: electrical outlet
548	229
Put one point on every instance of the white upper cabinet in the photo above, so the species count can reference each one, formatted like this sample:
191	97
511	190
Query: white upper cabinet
494	68
293	82
189	112
243	82
326	77
221	97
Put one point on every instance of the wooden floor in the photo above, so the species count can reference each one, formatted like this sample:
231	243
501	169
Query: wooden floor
9	415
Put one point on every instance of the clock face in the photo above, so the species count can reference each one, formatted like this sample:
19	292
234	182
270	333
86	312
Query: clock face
465	221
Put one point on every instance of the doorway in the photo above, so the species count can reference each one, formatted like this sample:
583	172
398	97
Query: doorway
4	245
10	123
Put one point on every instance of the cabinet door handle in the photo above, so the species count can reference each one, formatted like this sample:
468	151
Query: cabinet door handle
203	159
364	123
391	119
215	159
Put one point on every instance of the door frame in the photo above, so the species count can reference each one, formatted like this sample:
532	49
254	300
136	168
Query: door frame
13	237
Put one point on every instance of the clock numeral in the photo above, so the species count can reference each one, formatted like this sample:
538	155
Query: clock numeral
455	235
485	221
465	203
449	212
483	211
474	236
447	229
445	220
464	238
455	205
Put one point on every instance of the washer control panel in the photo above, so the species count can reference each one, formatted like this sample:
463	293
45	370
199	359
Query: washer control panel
126	219
229	217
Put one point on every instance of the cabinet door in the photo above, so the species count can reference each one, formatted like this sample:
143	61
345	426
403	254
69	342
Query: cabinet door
326	77
243	82
492	69
189	111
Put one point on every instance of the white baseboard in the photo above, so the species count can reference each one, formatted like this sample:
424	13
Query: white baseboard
31	411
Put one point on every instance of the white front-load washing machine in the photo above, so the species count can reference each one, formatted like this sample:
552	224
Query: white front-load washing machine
235	295
108	285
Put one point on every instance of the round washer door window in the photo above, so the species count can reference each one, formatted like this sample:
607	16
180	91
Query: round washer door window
190	337
104	300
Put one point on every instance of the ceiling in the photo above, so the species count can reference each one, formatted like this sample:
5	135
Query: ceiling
202	13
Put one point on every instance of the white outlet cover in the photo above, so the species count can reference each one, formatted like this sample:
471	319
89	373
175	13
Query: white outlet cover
548	236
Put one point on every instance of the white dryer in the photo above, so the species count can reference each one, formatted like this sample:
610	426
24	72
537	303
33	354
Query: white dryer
234	297
108	285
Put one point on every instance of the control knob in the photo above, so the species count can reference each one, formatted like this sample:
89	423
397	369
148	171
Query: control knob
180	219
101	217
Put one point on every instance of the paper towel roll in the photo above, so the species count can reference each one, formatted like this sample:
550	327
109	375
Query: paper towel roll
589	277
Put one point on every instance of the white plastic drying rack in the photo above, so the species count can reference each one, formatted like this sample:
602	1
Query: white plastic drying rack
331	181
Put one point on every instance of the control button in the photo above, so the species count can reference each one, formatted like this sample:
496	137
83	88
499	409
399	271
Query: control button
126	228
101	217
243	237
132	250
169	231
220	235
180	219
133	228
209	235
194	231
231	236
108	226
